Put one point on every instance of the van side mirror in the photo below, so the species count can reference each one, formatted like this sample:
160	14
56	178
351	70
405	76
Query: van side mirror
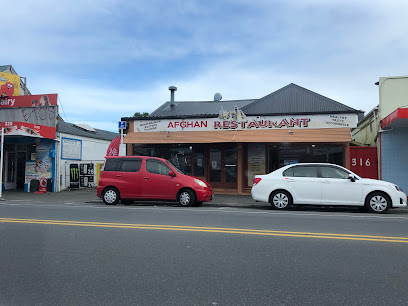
352	178
171	173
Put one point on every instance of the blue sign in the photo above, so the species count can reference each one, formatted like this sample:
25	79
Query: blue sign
122	125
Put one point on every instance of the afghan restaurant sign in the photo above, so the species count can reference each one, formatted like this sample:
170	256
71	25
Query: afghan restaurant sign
248	123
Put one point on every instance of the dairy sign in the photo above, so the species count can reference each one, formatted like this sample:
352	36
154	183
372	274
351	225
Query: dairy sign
250	123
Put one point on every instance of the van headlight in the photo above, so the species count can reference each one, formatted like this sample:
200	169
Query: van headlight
200	182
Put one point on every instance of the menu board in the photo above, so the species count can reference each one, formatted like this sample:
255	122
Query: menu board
256	161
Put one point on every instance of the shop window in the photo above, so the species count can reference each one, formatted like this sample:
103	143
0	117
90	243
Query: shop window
199	160
146	151
181	158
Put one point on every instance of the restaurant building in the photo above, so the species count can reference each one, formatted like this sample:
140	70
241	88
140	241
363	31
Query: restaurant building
228	142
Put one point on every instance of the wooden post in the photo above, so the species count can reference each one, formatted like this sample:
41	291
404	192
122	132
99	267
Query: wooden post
241	171
346	155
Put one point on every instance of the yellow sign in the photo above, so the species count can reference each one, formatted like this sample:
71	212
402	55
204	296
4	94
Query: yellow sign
9	84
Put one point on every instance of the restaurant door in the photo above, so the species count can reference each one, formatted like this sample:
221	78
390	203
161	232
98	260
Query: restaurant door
223	166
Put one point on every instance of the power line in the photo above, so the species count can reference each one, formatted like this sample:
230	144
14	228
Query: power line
60	103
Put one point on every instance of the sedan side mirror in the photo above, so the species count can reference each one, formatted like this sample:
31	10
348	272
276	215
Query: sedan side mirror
171	173
352	178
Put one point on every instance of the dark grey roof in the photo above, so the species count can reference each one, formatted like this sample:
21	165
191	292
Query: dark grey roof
4	68
69	128
293	99
197	108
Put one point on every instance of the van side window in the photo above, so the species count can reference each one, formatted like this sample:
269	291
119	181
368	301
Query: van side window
131	165
112	164
154	166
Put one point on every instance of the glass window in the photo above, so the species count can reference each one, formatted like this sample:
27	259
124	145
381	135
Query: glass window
181	158
157	167
131	165
288	172
304	171
332	172
199	160
112	164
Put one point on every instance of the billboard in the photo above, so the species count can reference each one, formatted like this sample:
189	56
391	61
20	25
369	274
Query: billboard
9	84
29	101
30	121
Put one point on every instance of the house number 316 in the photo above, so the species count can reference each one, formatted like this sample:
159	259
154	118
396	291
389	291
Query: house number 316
354	162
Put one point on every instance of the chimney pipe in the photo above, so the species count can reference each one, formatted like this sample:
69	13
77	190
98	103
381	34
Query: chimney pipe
172	90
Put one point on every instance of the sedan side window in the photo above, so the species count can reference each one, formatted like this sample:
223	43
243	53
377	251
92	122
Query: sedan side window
332	172
154	166
304	171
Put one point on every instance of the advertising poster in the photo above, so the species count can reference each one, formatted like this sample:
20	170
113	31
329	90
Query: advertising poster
256	161
71	148
86	175
29	101
73	176
9	84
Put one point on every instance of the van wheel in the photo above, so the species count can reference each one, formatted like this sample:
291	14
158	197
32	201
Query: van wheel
110	196
378	202
187	198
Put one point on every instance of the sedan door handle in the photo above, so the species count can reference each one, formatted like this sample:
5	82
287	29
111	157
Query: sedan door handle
290	180
326	182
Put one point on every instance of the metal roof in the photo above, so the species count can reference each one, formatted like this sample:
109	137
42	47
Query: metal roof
293	99
197	108
3	68
69	128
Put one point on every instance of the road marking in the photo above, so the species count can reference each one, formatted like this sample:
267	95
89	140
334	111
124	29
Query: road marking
211	230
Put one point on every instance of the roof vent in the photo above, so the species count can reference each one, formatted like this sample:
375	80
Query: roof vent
217	97
172	90
85	127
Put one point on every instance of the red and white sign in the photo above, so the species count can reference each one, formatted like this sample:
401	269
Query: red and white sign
28	129
249	123
113	149
364	161
29	101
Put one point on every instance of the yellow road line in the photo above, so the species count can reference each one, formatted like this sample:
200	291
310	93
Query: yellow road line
210	229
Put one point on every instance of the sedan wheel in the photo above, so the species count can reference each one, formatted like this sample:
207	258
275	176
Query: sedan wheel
378	203
110	196
281	200
187	198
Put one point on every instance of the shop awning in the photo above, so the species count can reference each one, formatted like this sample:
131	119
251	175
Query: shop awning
294	135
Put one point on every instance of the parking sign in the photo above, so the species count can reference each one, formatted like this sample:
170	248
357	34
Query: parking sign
122	125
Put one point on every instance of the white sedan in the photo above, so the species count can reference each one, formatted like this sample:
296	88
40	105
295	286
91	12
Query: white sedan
325	184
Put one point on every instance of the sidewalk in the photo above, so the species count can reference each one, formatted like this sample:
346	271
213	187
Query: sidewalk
89	196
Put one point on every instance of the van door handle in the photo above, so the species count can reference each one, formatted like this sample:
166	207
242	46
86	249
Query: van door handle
146	178
118	175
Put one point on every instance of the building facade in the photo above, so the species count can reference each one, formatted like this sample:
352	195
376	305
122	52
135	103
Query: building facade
228	142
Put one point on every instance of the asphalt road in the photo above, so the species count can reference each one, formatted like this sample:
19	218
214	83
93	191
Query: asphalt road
92	254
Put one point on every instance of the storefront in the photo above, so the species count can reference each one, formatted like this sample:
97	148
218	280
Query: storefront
29	126
232	141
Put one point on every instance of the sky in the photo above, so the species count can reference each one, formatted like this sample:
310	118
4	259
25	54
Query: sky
108	59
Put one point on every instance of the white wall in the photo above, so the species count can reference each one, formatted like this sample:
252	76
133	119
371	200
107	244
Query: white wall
93	151
393	94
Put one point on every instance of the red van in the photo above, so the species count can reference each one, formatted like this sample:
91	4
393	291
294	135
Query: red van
129	178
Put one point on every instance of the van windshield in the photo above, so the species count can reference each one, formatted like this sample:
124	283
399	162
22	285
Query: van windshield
177	169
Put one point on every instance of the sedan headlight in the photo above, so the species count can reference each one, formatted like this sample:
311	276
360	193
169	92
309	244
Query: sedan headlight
397	187
200	182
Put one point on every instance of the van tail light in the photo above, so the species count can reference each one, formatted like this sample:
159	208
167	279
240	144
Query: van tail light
256	180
